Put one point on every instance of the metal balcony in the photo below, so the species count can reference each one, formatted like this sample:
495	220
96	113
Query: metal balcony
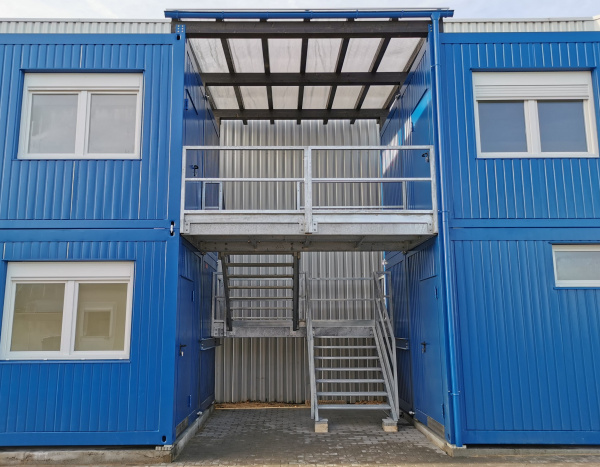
392	207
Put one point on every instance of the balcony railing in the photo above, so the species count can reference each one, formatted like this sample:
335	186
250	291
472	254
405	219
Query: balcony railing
326	180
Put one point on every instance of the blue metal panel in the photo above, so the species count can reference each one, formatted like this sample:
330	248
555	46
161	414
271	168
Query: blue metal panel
96	402
515	188
86	189
530	351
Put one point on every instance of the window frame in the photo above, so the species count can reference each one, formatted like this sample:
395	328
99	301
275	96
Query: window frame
573	283
84	85
532	87
71	274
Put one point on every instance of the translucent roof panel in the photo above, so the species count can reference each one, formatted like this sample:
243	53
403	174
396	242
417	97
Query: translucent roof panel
346	97
284	55
322	54
210	55
285	97
360	54
315	97
247	55
376	97
255	97
223	96
398	53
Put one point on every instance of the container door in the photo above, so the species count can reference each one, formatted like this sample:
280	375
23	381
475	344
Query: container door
185	351
426	350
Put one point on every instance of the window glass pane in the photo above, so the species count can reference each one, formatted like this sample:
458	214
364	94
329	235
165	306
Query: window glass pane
37	322
101	311
53	124
577	265
112	124
502	127
562	126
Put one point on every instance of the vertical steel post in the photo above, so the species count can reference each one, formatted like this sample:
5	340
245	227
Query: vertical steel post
308	199
296	293
225	265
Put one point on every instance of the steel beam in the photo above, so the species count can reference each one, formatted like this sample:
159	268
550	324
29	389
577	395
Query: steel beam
304	79
300	114
303	29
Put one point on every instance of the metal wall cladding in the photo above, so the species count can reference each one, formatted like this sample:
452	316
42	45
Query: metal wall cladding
275	369
529	352
402	130
262	369
89	189
522	25
118	401
531	188
67	26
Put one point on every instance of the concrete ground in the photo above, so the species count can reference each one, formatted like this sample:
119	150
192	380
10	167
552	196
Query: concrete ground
277	437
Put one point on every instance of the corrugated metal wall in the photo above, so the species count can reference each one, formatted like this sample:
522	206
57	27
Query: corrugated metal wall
521	25
92	397
514	188
275	369
72	26
88	189
530	352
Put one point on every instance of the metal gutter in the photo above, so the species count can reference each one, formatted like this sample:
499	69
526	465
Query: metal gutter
445	234
306	14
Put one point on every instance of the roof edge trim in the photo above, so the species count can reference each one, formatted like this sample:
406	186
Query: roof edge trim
307	14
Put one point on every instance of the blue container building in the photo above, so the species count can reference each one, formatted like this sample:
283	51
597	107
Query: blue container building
495	310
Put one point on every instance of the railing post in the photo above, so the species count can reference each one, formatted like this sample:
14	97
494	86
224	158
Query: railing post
308	200
432	175
296	293
183	183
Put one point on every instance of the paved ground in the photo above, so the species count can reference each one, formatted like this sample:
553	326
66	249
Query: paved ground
286	436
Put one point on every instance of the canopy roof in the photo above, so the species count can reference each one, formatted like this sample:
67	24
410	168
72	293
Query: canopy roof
304	64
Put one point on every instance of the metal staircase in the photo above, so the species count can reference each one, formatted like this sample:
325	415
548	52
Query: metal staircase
258	296
352	363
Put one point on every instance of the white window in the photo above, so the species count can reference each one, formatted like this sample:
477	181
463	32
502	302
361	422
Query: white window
81	115
535	114
576	265
74	310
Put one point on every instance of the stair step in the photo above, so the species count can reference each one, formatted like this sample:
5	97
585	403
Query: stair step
346	323
260	276
373	368
345	347
374	381
260	265
352	393
348	357
354	406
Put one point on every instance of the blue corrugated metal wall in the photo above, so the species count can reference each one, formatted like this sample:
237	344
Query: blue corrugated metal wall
95	402
417	309
195	369
96	210
87	189
529	351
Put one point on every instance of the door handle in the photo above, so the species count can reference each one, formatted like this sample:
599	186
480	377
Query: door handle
181	347
424	345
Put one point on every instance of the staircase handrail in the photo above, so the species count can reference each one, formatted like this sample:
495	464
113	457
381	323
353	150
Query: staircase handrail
311	353
384	332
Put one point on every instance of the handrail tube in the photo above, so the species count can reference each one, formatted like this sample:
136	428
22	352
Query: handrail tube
386	330
314	179
301	148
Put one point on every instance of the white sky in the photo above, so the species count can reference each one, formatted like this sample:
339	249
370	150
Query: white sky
145	9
